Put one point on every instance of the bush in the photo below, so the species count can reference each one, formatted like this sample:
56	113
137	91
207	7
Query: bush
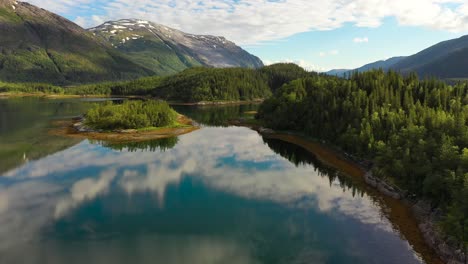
131	115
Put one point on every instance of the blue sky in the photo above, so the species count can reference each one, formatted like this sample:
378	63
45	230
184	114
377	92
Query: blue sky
317	34
335	49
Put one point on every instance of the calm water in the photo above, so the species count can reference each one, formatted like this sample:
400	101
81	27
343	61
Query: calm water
218	195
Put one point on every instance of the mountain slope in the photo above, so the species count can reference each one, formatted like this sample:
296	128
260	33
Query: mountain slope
447	59
338	72
381	64
37	45
452	66
167	51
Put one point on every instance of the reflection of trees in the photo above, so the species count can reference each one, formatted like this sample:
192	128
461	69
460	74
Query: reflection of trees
162	144
216	115
300	156
24	126
14	154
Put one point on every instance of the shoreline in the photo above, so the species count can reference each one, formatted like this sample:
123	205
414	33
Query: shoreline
400	214
416	228
75	129
62	96
214	103
7	95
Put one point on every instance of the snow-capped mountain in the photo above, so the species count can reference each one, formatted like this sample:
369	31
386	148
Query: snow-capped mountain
166	50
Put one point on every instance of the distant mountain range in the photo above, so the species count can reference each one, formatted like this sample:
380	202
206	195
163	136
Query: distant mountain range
40	46
446	60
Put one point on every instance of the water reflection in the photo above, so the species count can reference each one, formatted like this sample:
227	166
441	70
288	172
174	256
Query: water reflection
301	157
149	145
220	195
24	123
217	115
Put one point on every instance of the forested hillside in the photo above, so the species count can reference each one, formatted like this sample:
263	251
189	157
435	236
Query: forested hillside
203	84
415	132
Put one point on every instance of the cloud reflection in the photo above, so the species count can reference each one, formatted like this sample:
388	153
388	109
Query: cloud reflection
83	190
233	160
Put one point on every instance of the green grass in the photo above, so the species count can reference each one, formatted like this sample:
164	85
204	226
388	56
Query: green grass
9	16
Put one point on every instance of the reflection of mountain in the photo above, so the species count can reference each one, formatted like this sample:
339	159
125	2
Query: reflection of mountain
162	144
216	115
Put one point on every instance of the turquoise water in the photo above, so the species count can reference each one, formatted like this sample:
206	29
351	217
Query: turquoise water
217	195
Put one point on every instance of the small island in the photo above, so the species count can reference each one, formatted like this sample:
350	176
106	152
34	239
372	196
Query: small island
130	121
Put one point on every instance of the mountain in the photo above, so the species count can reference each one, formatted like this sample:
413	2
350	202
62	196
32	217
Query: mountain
381	64
338	72
37	45
166	51
447	59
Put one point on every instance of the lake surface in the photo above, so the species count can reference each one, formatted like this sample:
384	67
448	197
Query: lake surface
218	195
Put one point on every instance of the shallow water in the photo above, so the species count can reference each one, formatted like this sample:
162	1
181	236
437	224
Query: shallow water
217	195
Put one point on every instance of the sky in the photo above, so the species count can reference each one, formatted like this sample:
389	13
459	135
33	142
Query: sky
316	34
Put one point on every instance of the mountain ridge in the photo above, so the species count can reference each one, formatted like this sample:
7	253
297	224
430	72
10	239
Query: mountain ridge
381	64
446	60
166	50
427	62
40	46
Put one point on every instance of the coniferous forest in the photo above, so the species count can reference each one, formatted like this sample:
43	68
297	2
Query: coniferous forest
191	85
414	132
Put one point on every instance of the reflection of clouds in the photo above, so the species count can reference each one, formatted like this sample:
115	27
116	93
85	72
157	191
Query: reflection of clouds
202	144
156	179
27	207
197	154
86	189
144	249
3	201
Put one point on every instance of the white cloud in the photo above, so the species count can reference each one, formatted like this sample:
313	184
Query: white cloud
361	40
256	21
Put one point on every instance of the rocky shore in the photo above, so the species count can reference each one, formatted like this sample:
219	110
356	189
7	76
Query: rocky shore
447	248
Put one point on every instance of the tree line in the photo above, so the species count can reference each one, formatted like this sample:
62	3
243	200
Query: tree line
192	85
